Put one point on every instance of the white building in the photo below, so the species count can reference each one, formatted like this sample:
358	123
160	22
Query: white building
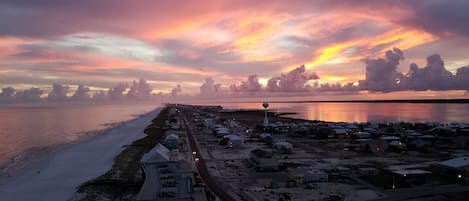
164	178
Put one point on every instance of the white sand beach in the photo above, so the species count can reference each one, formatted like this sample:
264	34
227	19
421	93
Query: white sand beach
57	176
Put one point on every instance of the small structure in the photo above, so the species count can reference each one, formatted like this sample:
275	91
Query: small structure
266	106
374	146
342	132
171	141
263	160
368	171
283	147
221	131
307	175
266	137
233	141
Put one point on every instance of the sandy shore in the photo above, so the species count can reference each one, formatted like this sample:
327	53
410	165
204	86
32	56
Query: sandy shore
57	176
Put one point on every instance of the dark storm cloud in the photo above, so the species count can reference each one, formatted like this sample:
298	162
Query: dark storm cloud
382	75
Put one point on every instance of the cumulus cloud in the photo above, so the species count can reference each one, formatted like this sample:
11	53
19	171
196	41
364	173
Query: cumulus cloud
209	88
81	94
462	78
251	85
58	93
11	95
381	73
293	81
139	90
176	91
117	92
29	95
7	95
434	76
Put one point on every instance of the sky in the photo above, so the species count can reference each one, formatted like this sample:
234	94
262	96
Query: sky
234	47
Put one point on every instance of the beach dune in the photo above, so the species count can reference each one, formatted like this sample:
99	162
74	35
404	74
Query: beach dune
57	177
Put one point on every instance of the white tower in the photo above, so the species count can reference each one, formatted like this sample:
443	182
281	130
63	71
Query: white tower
266	121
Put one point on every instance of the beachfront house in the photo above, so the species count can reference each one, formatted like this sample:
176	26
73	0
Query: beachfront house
165	177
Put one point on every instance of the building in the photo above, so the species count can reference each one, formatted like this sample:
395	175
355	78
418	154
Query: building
233	141
373	146
307	175
165	178
263	160
283	147
457	168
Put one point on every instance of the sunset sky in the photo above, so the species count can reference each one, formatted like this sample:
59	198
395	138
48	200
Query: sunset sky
101	43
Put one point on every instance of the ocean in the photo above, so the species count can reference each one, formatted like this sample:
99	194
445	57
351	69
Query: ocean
28	130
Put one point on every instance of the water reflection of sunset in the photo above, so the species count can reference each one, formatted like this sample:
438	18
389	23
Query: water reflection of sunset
363	112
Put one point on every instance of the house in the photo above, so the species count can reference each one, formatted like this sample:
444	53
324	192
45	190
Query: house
374	146
307	175
283	147
455	168
368	171
263	160
342	132
221	131
165	178
266	137
420	144
361	135
233	141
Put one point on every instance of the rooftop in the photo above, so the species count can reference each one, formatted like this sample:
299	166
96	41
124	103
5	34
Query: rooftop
457	163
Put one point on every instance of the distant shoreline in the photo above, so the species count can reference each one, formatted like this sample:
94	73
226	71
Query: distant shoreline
461	101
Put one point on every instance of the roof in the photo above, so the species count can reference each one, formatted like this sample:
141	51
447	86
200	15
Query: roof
158	153
172	137
261	153
390	138
284	144
457	163
411	172
301	171
342	130
232	137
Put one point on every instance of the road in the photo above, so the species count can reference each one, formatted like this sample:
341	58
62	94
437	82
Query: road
211	182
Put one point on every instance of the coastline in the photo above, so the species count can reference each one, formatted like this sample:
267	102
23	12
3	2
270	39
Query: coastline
56	174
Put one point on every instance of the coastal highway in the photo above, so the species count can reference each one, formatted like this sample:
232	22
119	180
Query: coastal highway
200	163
